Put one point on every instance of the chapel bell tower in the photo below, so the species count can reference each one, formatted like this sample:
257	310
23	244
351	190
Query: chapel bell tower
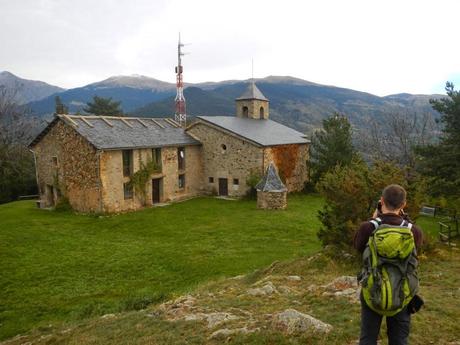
252	104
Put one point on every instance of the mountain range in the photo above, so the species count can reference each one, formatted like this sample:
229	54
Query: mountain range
294	102
27	90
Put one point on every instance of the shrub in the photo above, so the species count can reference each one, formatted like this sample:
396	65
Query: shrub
63	205
351	193
252	181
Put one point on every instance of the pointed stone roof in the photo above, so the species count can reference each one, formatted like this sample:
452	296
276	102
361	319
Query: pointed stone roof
252	92
271	182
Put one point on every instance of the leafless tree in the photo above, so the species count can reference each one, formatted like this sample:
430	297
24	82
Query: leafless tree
16	162
394	137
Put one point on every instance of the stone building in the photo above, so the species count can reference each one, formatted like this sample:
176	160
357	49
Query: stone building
91	160
236	148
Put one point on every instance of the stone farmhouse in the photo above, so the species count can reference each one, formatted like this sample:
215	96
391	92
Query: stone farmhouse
90	160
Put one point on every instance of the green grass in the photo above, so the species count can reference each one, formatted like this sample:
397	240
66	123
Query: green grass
57	266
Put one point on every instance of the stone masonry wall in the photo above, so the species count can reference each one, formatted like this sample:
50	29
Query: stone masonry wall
271	200
112	177
291	163
236	161
253	108
76	174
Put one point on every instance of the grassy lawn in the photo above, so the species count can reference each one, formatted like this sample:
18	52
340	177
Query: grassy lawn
62	267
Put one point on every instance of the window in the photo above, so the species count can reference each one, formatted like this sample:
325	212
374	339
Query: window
245	112
128	190
181	158
55	161
261	112
182	181
127	162
156	157
236	182
211	180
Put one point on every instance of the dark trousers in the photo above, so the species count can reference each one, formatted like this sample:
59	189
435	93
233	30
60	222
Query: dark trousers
398	326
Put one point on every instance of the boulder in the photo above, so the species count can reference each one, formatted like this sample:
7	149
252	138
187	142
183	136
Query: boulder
292	321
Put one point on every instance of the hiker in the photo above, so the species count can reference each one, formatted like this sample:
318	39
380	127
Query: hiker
388	229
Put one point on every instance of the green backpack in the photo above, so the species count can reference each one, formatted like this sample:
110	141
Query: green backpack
389	278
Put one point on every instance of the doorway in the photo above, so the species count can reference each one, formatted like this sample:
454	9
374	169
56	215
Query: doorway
156	190
223	187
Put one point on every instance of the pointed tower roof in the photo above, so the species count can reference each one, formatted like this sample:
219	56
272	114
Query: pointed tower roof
252	92
271	182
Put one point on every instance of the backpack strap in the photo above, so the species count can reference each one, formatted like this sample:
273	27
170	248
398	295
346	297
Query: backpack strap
406	224
376	222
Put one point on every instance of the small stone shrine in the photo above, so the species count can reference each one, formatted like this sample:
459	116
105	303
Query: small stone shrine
271	192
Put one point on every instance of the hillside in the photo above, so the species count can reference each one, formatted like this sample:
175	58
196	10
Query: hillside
311	299
60	267
133	91
296	103
28	90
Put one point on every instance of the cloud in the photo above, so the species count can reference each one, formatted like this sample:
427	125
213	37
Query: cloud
379	47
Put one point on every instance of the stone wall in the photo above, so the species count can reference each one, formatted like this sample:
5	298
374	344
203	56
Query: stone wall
291	163
253	108
271	200
112	177
68	166
226	156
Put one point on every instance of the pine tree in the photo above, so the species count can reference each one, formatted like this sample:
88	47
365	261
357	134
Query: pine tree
441	161
331	146
103	106
60	107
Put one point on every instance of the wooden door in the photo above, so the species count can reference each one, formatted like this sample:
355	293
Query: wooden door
156	193
223	186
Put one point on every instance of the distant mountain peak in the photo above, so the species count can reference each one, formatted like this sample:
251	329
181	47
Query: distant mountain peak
28	90
136	81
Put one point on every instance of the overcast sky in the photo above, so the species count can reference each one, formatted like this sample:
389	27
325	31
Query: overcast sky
382	47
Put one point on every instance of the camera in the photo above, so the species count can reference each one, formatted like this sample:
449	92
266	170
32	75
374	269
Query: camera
379	206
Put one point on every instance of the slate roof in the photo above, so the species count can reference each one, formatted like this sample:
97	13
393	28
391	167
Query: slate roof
260	132
271	182
252	92
117	133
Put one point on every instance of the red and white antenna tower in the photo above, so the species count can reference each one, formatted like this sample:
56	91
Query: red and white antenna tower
180	115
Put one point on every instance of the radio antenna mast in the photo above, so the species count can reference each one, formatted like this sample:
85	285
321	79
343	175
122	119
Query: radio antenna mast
180	114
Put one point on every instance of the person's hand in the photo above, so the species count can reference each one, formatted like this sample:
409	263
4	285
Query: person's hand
376	214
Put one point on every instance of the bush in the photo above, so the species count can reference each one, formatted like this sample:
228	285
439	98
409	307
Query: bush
63	205
351	193
252	181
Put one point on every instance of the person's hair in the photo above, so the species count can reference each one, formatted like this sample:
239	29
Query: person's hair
394	196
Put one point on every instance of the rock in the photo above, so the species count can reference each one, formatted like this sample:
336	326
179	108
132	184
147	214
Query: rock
108	316
284	290
342	283
225	332
195	317
267	289
213	319
241	276
292	321
176	309
294	278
